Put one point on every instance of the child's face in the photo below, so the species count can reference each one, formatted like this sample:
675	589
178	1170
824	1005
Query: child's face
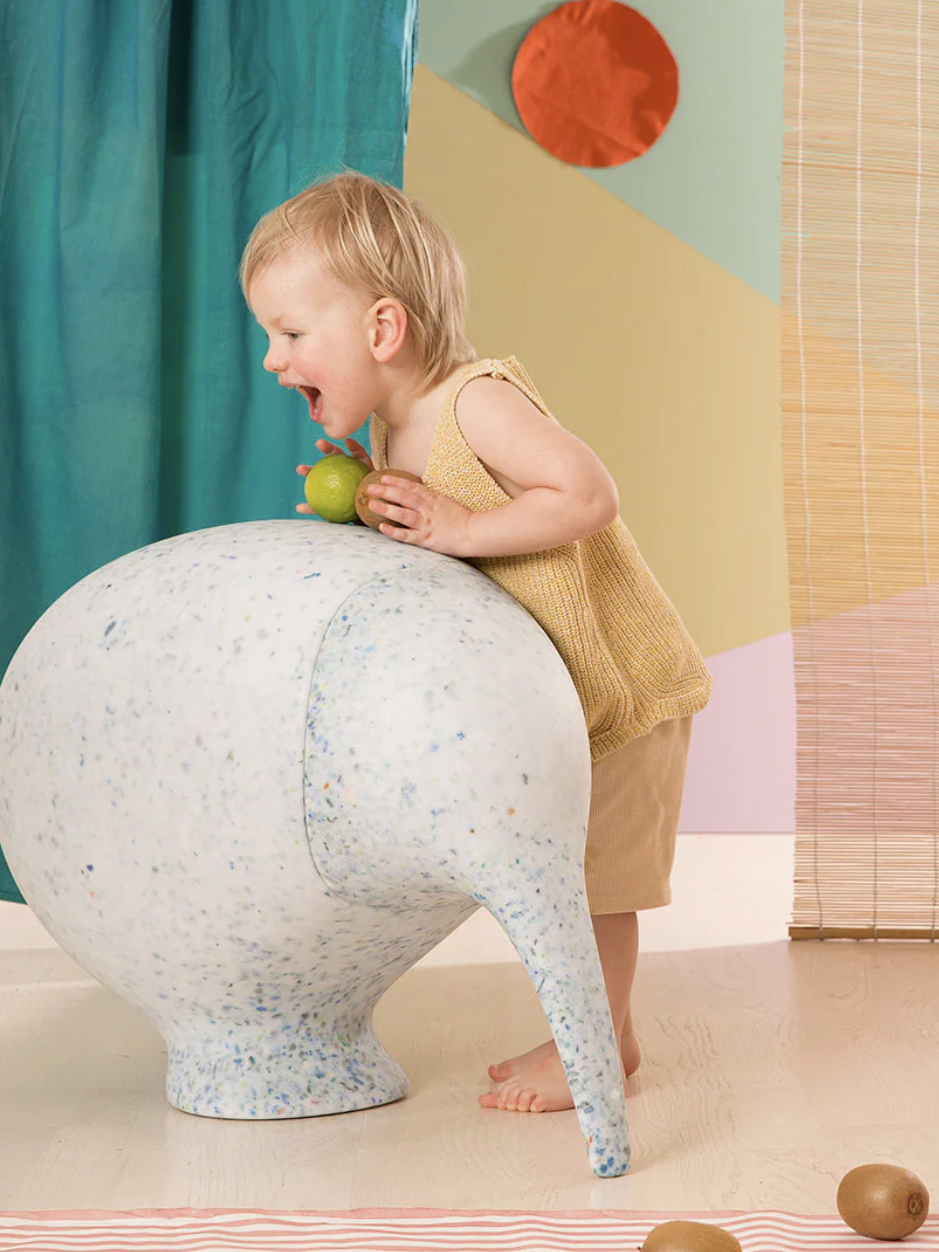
318	341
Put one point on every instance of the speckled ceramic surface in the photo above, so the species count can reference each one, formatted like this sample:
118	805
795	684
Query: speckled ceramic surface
249	776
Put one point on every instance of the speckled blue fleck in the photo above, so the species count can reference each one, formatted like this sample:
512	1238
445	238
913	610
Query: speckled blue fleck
249	776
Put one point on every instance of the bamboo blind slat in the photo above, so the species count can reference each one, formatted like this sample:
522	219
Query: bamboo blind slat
861	460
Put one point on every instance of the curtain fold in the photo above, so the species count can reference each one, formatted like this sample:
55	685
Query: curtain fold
140	140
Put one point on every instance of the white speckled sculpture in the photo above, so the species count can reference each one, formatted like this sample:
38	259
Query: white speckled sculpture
249	776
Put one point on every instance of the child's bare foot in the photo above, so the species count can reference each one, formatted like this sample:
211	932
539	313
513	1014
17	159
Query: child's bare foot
629	1054
532	1083
535	1082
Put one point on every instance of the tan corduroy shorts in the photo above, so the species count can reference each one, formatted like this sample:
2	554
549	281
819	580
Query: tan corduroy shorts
634	806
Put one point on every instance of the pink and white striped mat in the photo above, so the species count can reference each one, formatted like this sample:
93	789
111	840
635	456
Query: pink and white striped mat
415	1230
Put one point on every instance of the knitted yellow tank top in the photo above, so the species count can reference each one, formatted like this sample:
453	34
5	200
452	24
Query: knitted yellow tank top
626	648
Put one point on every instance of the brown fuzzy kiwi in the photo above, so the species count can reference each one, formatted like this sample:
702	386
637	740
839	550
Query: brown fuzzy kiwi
882	1201
690	1237
362	498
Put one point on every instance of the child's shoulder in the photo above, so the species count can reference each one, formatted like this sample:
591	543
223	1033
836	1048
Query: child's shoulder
503	424
496	393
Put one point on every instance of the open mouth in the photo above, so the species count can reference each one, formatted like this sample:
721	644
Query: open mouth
314	398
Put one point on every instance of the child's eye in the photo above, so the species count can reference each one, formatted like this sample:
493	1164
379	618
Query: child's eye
292	334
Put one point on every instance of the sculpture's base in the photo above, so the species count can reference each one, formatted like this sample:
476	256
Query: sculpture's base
248	1075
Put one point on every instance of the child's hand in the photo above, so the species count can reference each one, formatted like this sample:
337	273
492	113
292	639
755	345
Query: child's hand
425	518
356	451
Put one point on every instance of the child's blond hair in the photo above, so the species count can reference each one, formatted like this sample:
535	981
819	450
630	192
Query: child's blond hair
373	238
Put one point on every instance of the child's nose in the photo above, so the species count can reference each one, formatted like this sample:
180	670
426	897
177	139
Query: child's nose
274	361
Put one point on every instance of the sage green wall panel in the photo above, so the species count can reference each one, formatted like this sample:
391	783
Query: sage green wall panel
713	178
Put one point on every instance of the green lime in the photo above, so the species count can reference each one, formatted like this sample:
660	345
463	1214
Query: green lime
330	487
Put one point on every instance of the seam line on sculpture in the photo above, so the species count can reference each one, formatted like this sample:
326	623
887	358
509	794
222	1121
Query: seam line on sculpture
306	729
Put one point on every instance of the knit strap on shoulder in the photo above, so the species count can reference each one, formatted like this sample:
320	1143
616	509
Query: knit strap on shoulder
448	432
521	376
453	468
508	368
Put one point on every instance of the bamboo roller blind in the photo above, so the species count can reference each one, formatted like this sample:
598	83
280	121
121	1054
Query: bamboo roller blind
861	460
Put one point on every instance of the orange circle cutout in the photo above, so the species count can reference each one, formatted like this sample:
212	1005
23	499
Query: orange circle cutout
595	83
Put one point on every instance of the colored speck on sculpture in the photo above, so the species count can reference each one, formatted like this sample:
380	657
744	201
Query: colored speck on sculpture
89	867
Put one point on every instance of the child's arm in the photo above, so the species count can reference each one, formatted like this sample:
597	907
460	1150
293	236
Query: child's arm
560	489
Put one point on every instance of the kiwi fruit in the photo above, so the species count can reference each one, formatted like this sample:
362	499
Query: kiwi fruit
690	1237
882	1201
362	498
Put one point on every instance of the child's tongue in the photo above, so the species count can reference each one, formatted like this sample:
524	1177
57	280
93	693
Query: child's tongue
315	401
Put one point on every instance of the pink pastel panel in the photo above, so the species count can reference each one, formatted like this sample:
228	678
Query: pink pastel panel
742	765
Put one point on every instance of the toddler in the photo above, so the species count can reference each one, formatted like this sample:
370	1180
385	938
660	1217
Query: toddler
362	296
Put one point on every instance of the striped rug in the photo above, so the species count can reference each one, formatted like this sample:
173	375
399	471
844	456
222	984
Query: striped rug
415	1230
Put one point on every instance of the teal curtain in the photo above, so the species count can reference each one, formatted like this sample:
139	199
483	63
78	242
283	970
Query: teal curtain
140	140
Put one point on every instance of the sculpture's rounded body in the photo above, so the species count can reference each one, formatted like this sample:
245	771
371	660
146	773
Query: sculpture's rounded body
250	775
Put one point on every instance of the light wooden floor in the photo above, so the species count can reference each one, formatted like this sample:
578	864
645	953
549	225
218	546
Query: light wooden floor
770	1069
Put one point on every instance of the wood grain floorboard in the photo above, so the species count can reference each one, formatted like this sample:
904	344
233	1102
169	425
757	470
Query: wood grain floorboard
770	1068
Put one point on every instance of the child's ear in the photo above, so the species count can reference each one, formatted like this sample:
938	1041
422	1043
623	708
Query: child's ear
388	327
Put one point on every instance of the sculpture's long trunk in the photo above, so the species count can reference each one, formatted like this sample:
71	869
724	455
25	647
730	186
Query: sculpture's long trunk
558	949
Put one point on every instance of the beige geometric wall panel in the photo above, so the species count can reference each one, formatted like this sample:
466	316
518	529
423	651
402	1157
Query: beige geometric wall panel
663	362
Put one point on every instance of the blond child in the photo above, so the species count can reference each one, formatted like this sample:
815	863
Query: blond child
362	297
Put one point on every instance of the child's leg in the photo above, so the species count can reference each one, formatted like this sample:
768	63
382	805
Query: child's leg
535	1082
617	936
